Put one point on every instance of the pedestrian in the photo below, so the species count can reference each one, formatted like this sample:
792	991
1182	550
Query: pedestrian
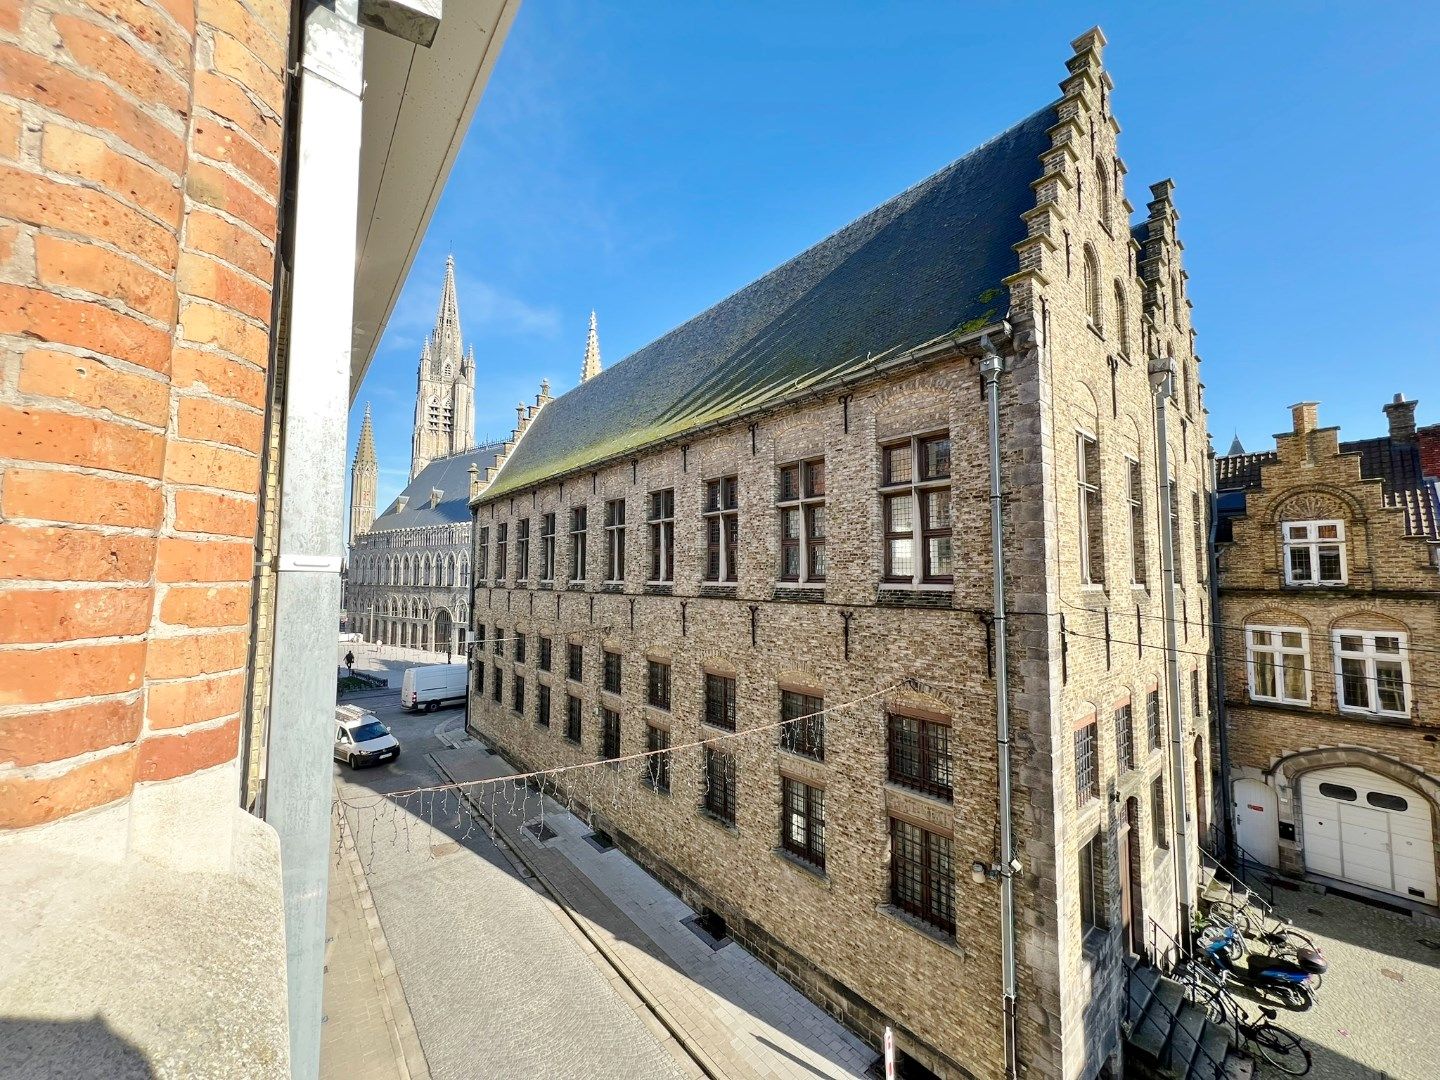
350	661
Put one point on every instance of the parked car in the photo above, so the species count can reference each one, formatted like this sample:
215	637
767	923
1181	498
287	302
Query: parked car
361	739
431	686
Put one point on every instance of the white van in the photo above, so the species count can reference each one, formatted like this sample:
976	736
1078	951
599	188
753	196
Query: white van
430	687
361	739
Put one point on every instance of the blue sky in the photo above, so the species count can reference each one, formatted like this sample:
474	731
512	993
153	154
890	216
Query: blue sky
648	159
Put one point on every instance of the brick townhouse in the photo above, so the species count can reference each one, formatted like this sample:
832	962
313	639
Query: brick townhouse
172	208
779	514
1330	641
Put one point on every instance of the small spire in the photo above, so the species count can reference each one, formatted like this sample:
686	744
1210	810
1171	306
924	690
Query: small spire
365	451
591	366
1235	446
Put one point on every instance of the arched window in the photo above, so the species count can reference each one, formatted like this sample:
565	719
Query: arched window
450	571
1175	297
1102	185
425	573
464	571
1092	289
1122	319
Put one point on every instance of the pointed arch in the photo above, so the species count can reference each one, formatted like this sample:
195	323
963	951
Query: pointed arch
1102	186
1093	309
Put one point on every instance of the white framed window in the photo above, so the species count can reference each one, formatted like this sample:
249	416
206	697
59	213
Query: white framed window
1372	672
1092	519
722	529
1314	552
615	540
1276	659
1135	496
916	511
801	506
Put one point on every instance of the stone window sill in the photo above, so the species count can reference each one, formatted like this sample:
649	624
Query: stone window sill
815	873
933	933
718	821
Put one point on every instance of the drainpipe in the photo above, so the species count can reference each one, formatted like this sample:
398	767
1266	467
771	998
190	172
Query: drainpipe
991	366
1162	378
1222	723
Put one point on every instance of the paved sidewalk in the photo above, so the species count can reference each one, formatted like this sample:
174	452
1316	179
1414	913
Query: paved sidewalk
389	662
368	1033
732	1013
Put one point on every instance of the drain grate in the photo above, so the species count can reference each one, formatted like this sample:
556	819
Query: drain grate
600	841
540	833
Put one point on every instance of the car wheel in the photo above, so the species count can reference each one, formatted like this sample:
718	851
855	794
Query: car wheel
431	706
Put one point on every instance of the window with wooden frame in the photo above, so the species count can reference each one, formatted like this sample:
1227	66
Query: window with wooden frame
1153	731
1159	830
661	519
1314	552
720	789
575	666
1087	763
922	874
1092	886
482	555
1090	510
578	561
497	643
802	821
522	551
802	730
609	734
1277	664
1124	736
1197	519
1195	693
615	540
1175	531
496	694
657	684
720	701
502	536
610	672
542	704
1373	672
572	718
517	693
1135	494
544	664
519	648
801	507
722	529
915	501
547	548
919	754
657	765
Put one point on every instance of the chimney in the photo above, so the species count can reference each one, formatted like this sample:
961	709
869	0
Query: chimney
1306	415
1402	419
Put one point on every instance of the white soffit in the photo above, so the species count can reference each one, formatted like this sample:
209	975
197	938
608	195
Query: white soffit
417	107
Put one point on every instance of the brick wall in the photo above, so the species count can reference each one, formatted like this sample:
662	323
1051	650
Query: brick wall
139	169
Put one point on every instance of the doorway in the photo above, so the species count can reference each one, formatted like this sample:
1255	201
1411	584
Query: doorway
1132	908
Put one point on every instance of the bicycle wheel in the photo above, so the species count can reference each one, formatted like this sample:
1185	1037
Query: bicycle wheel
1227	913
1292	995
1282	1049
1215	1000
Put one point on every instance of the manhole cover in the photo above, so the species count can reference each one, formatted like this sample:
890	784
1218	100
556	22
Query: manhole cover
540	832
443	849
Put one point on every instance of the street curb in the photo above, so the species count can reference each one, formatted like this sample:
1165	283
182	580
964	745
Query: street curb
409	1054
676	1030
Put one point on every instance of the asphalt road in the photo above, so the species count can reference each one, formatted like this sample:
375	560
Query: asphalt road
496	985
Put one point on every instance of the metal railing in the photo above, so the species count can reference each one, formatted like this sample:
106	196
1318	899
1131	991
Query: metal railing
1166	1031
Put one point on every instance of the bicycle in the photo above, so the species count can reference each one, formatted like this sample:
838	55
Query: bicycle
1279	1046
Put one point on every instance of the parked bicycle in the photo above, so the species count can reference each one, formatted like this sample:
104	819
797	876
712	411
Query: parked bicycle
1276	937
1289	982
1279	1046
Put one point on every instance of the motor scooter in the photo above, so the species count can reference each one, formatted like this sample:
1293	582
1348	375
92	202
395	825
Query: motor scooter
1288	982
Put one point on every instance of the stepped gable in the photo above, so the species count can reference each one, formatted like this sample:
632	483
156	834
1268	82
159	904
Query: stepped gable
930	262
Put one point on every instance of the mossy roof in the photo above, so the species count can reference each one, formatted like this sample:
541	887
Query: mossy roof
929	262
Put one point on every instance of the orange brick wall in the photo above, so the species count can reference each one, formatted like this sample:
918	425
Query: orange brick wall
139	175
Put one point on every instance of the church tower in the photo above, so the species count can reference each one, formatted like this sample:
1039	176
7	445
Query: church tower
590	367
445	389
363	475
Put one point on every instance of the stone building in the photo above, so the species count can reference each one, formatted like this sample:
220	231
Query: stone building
1329	635
776	517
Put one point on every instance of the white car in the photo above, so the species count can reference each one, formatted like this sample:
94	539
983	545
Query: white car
361	739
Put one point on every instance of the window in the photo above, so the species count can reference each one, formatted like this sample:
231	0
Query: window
1339	791
1087	764
722	528
577	544
1124	736
544	654
1198	523
802	521
1383	800
547	548
907	489
542	705
802	821
1102	186
615	540
576	662
572	718
804	731
495	688
482	555
662	535
1175	531
1122	320
1158	831
922	874
479	670
610	673
1314	552
522	551
1275	659
1136	493
1373	669
1195	693
657	765
609	734
1092	289
657	689
919	752
501	536
1092	887
517	693
519	648
720	784
1152	719
1092	518
720	701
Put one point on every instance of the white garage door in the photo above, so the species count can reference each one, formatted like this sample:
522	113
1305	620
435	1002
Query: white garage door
1365	828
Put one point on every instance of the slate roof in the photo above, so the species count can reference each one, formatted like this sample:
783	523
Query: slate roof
451	475
925	264
1235	471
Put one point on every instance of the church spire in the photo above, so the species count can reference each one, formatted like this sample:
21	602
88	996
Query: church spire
445	390
591	367
1235	446
363	476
